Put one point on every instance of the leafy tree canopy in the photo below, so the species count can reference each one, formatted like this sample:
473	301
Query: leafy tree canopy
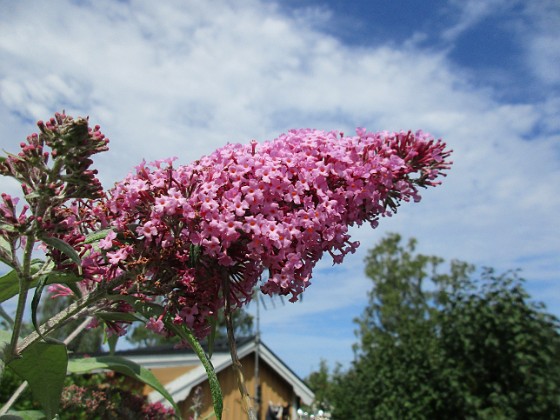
447	343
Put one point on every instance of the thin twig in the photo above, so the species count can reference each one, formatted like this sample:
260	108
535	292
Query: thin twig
13	398
74	310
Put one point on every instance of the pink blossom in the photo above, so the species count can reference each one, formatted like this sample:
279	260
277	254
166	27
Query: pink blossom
155	324
59	290
148	230
114	258
107	242
246	212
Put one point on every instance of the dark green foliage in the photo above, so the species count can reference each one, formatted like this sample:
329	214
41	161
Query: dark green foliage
445	346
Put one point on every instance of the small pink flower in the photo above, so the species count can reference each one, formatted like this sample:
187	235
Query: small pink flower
107	242
155	324
58	290
116	257
148	230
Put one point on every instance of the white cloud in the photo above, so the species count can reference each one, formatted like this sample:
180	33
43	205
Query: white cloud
183	78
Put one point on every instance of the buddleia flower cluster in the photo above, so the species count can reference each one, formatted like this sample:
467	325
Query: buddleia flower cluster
195	236
53	169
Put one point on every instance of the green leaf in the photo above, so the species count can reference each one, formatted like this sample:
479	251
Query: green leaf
215	390
97	236
35	304
7	227
5	338
112	341
9	285
23	415
43	366
65	248
9	282
6	251
124	366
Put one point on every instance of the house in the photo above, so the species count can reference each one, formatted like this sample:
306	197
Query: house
280	391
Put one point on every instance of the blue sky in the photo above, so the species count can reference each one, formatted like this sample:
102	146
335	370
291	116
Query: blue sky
181	78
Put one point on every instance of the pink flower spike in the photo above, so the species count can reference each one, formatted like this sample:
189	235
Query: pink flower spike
246	211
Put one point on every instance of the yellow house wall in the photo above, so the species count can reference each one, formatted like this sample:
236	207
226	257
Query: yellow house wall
274	390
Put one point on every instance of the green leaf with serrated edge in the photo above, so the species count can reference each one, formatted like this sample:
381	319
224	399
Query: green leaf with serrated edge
65	248
124	366
43	366
23	415
97	236
215	390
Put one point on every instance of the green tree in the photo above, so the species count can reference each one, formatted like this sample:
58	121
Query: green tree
321	384
436	344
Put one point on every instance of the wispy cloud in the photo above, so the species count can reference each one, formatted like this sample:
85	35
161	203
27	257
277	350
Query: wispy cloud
465	14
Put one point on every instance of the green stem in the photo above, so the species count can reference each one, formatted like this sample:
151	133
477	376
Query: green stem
24	281
77	309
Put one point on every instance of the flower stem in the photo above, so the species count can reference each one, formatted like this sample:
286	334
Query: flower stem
24	274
